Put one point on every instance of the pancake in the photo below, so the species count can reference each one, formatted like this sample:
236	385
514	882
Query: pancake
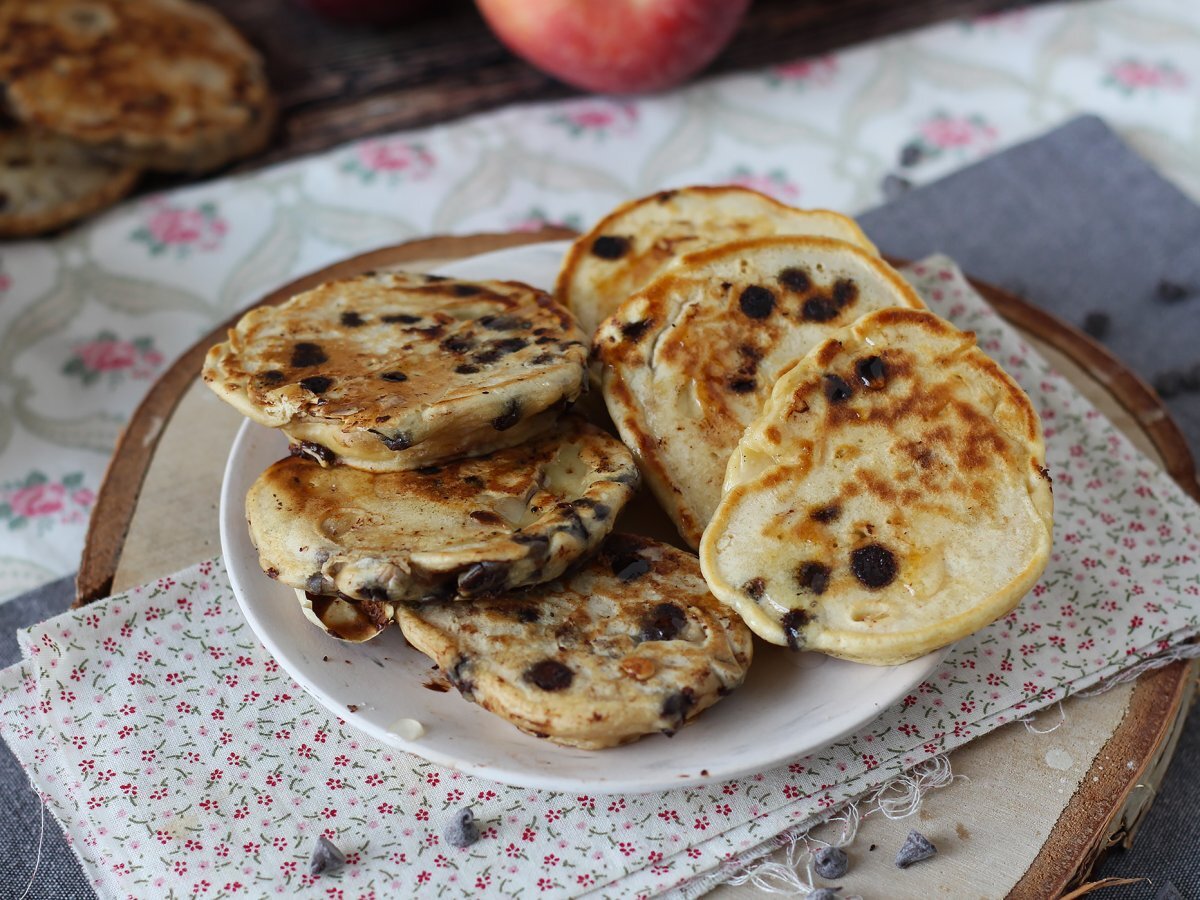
630	644
891	498
477	526
161	84
47	182
637	240
690	359
396	370
353	621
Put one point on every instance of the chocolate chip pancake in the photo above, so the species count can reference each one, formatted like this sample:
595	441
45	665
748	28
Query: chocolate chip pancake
689	359
47	182
353	621
630	644
891	498
636	241
473	527
161	84
396	371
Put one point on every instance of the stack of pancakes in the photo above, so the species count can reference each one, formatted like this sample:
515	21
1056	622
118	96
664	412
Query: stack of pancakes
99	90
859	479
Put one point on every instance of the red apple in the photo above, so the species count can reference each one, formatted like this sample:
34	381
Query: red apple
616	46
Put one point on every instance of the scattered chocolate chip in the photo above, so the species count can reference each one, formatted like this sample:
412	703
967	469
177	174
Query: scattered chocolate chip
394	376
830	862
894	186
272	572
1096	324
457	343
462	830
509	345
873	565
549	675
663	623
428	470
475	481
1172	291
826	514
631	569
665	196
676	705
466	369
459	678
401	441
543	340
845	292
543	359
486	357
609	246
510	417
505	323
318	384
274	376
911	154
433	278
916	848
757	302
486	517
793	623
871	372
755	588
306	353
742	385
400	318
326	858
465	290
837	390
314	584
317	452
819	309
483	579
813	576
527	614
795	279
352	320
633	331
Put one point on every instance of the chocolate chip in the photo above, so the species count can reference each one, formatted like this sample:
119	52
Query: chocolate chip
466	369
795	279
505	323
871	372
916	848
633	331
742	385
665	196
663	623
475	481
549	675
483	579
428	470
457	343
610	246
543	359
274	376
873	565
819	309
676	705
813	576
486	357
465	290
755	588
793	623
757	302
313	450
543	340
401	318
306	353
462	830
460	679
527	614
509	345
845	292
352	320
318	384
830	862
394	376
401	441
326	858
510	417
631	569
837	390
1097	324
826	514
486	517
601	511
1172	291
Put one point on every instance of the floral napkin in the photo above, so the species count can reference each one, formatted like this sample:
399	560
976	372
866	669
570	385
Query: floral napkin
181	760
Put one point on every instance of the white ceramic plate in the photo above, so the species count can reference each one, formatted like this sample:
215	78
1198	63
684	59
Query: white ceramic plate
790	705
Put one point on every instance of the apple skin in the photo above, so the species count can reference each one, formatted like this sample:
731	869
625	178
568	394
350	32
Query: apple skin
616	46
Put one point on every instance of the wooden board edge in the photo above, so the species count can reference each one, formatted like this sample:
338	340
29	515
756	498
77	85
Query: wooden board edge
121	486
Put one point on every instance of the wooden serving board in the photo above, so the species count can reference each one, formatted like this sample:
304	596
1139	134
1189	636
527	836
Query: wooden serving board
1034	812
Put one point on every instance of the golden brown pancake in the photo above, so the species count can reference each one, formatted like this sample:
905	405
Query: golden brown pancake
631	643
891	498
689	359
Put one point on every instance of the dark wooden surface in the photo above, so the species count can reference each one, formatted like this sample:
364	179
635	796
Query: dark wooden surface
336	82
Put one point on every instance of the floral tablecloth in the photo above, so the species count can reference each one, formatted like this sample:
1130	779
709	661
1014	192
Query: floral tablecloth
89	319
182	761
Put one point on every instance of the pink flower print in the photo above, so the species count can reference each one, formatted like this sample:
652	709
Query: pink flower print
817	70
392	159
597	118
946	132
42	499
5	283
774	183
37	500
1130	76
180	229
537	218
108	356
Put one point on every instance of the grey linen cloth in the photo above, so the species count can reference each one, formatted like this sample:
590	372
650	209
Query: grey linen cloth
1073	221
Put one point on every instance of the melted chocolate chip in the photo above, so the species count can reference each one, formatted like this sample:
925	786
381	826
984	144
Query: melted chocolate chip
526	614
627	569
306	353
466	369
394	376
352	320
755	588
314	451
509	345
428	470
757	302
465	290
826	514
274	376
318	384
663	623
819	309
837	390
401	441
457	343
475	481
795	279
543	359
871	372
549	675
742	385
676	705
483	579
486	517
601	511
793	623
543	340
459	678
845	292
510	417
610	246
505	323
633	331
813	576
401	318
873	565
